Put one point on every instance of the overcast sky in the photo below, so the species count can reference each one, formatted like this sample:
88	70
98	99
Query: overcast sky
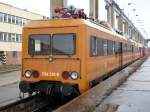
142	9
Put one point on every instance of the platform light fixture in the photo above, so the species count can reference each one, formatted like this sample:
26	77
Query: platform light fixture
134	9
129	3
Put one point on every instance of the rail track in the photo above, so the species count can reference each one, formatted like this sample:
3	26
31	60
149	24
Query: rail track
35	103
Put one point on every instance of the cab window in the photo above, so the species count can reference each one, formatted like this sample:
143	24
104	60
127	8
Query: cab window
39	44
57	44
63	44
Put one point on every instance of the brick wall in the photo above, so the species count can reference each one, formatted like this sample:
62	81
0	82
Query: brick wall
13	57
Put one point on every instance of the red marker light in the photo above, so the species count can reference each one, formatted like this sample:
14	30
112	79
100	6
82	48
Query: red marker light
35	74
65	75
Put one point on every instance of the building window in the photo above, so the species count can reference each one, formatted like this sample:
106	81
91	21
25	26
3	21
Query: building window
1	17
20	37
24	21
17	38
13	38
14	53
1	35
13	19
5	36
9	19
5	17
19	21
9	36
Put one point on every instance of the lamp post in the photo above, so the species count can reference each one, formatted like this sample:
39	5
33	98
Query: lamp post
135	17
127	12
93	13
134	9
126	6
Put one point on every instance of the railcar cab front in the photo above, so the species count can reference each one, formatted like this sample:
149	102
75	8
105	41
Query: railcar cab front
51	58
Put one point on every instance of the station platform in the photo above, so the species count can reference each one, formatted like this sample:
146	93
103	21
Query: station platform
9	91
134	94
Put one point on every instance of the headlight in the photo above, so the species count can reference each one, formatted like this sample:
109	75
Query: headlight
74	75
28	74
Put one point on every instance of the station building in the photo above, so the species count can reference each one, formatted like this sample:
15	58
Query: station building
12	20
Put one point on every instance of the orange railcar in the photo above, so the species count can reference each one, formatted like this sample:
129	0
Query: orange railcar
70	55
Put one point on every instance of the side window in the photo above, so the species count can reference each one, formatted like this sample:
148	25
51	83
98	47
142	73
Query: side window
116	47
105	47
135	49
93	44
100	47
113	47
110	47
140	49
132	48
129	48
124	47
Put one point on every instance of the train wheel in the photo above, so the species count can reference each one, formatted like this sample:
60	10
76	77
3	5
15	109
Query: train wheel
55	100
30	93
21	95
74	94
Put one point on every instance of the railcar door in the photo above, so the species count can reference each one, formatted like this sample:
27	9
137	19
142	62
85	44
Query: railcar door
120	54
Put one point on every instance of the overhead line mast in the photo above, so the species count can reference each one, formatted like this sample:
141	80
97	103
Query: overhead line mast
93	13
55	4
